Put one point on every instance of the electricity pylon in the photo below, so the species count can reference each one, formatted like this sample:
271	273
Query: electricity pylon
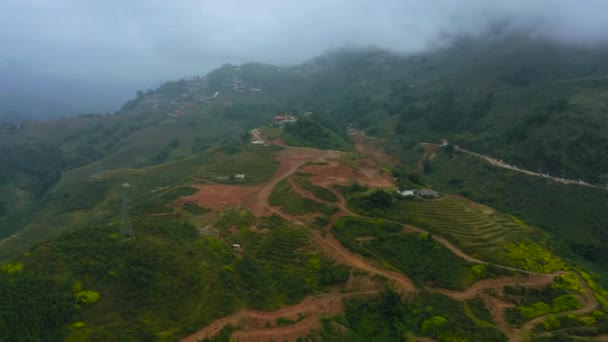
125	230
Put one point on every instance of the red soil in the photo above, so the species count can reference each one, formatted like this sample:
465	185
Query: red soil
220	196
373	148
261	326
342	174
429	150
254	198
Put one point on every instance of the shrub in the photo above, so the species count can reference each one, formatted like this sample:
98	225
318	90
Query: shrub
87	297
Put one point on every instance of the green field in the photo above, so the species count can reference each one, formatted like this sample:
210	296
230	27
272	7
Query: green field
387	317
175	281
479	230
295	204
571	214
417	255
320	192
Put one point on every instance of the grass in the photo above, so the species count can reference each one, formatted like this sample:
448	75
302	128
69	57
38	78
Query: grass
272	132
318	191
164	284
554	207
387	317
535	302
295	204
478	230
257	163
418	255
310	133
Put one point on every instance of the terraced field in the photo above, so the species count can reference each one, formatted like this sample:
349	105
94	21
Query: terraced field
477	229
281	245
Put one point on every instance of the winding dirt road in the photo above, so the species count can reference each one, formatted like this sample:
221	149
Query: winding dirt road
502	164
261	326
589	305
533	280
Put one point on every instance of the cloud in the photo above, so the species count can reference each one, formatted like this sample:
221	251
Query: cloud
153	40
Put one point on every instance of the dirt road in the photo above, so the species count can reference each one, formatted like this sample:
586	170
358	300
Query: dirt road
475	289
290	159
589	305
262	325
502	164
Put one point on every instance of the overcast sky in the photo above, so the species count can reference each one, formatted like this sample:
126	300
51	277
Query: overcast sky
147	41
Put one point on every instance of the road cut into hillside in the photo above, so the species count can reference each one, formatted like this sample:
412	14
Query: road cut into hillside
253	325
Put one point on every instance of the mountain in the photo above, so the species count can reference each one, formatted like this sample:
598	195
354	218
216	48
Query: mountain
170	219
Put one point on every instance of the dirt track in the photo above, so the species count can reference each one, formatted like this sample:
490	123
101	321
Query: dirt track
254	323
589	305
254	198
502	164
533	280
261	325
333	249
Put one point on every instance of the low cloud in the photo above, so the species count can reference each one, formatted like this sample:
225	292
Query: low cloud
145	42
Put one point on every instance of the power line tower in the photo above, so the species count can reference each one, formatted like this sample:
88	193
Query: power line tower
126	230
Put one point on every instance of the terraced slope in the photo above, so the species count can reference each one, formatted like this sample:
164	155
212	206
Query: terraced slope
478	229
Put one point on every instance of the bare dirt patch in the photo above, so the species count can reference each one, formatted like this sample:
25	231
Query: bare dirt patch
219	196
373	148
254	198
338	173
429	152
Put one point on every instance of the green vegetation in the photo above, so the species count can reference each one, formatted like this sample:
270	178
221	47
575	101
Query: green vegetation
417	255
295	204
530	256
477	229
257	163
388	317
124	291
319	191
554	207
310	133
536	302
527	101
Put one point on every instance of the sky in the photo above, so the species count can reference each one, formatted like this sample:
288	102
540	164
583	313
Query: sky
136	44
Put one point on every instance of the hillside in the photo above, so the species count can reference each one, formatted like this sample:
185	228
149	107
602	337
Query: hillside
248	227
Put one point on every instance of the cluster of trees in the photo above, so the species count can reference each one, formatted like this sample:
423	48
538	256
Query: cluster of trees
112	287
388	317
33	166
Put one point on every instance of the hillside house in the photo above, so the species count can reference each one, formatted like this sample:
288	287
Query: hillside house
239	177
407	193
283	119
428	193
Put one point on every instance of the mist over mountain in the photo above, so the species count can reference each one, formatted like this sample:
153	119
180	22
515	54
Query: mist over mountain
75	58
230	170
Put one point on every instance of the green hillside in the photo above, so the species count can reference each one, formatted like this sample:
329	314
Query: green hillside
374	265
